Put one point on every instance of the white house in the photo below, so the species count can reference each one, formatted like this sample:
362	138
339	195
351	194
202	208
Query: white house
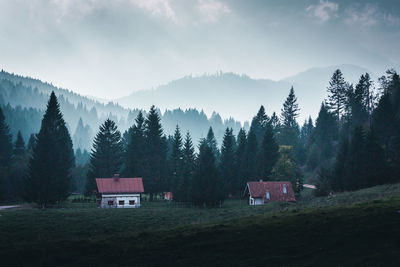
262	192
119	192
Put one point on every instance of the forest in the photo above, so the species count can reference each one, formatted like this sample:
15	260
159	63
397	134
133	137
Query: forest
353	144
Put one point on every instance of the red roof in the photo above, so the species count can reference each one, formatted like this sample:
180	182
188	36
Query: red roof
275	189
120	185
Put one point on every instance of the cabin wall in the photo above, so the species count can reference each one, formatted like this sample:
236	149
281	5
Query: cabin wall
256	201
116	199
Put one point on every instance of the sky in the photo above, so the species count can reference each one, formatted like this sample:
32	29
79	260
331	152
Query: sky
108	49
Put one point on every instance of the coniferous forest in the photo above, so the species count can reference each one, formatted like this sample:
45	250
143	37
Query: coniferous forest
353	144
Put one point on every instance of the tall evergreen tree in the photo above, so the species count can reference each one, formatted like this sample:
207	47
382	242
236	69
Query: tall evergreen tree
106	155
337	94
185	181
251	155
227	161
136	149
31	143
241	162
155	177
276	124
18	169
290	129
176	163
212	143
268	154
324	136
207	185
49	180
19	146
259	124
6	149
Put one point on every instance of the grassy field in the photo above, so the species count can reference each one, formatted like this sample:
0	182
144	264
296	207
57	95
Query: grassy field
356	228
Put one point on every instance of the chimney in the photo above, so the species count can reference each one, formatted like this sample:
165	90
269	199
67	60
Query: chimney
116	177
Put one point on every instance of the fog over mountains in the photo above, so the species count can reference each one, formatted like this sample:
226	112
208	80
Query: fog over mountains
239	96
194	103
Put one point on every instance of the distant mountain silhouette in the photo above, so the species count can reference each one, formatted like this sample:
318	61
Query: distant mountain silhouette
240	96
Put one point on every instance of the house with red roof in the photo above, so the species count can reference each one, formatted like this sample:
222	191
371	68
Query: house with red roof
262	192
119	192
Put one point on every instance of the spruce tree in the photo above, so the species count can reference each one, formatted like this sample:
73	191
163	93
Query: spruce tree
227	162
106	155
212	143
19	146
207	186
6	150
18	169
135	149
155	177
375	167
176	164
49	180
289	133
31	143
251	156
185	181
337	94
241	162
259	124
268	154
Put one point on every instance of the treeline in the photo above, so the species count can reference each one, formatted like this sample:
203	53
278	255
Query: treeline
356	141
23	101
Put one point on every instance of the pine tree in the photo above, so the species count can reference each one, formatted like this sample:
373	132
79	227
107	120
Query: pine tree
241	162
184	185
49	180
290	129
227	161
212	143
337	94
207	185
6	149
155	179
106	155
259	124
251	155
324	136
18	169
341	171
268	154
136	149
82	135
375	167
176	163
19	146
31	143
276	125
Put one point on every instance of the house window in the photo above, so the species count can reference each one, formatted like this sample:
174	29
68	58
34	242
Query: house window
121	202
110	202
131	202
284	189
267	196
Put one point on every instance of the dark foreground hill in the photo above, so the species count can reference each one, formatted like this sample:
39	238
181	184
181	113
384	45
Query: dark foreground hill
312	232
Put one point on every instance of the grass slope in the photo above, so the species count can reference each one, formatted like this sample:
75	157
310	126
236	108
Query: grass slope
315	231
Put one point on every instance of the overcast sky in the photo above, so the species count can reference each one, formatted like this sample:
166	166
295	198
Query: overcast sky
111	48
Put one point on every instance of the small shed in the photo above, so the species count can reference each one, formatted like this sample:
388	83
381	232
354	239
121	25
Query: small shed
168	196
119	192
262	192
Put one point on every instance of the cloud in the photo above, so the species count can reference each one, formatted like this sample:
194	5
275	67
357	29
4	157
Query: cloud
160	8
369	16
323	11
211	10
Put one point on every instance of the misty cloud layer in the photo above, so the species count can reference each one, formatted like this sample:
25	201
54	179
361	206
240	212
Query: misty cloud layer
111	48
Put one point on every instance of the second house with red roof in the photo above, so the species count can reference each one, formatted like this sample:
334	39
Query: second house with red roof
262	192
